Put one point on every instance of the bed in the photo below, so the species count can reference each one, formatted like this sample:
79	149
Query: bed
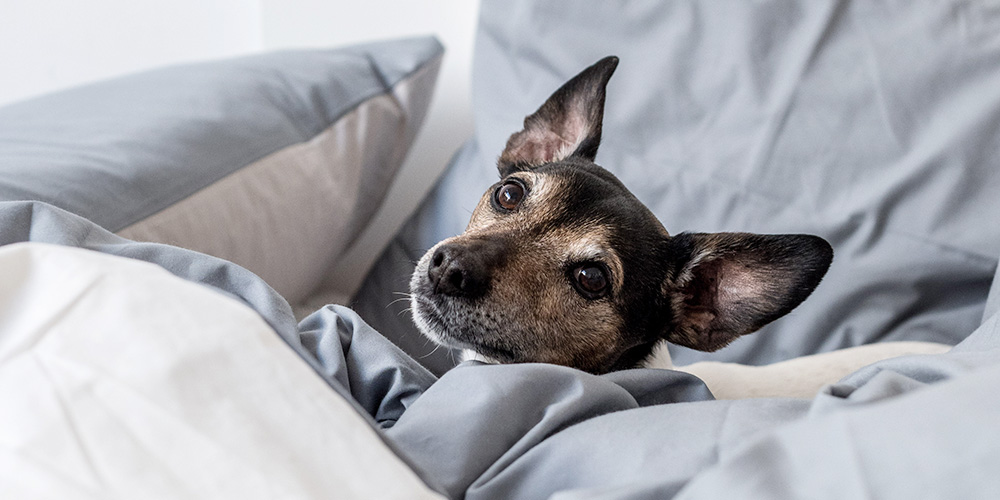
145	364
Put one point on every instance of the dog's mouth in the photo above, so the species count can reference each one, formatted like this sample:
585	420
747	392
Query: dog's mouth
429	319
436	319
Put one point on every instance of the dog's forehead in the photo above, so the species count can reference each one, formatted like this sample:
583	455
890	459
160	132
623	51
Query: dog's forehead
571	213
568	198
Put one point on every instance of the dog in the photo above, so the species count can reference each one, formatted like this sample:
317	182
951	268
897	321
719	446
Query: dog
561	264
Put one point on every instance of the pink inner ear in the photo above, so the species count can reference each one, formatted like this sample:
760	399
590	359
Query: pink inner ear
700	317
739	295
736	285
536	147
716	304
549	139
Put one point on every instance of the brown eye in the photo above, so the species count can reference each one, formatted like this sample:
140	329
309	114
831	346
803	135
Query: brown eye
509	195
590	280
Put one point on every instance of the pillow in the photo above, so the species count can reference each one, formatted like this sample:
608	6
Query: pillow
122	380
872	126
274	161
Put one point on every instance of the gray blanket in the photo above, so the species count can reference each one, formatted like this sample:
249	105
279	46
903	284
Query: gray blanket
915	427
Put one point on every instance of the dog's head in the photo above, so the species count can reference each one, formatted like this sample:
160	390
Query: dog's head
562	264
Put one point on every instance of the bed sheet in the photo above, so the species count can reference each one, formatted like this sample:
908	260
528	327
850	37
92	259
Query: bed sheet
120	380
919	426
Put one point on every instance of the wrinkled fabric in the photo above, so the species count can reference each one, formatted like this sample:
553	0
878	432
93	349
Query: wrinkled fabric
326	341
919	426
120	380
532	431
383	379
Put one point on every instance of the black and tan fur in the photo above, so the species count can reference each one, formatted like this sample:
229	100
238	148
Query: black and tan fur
507	287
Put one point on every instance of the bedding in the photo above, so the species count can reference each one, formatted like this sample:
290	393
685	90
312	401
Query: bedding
120	380
92	345
873	125
274	161
146	370
870	124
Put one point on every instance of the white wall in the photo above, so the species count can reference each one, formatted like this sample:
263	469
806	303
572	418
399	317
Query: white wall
47	45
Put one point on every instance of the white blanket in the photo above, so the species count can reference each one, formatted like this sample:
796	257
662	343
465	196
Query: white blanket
120	380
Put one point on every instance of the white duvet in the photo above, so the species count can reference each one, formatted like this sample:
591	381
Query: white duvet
120	380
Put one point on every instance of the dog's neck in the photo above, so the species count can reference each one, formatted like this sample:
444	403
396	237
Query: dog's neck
659	358
470	355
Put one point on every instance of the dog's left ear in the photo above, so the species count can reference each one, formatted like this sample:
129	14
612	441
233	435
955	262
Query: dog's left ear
725	285
568	124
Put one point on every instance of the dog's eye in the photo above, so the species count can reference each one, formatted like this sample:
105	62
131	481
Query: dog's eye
509	195
590	280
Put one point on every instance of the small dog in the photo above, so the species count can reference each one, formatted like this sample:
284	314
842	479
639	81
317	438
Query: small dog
562	264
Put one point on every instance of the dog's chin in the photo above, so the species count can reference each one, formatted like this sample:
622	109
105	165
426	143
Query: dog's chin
428	319
434	322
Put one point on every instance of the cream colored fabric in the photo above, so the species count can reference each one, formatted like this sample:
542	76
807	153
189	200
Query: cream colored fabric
119	380
803	377
290	215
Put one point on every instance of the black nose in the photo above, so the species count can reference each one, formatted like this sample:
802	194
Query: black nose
462	270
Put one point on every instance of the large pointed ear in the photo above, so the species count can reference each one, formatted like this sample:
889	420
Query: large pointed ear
568	124
726	285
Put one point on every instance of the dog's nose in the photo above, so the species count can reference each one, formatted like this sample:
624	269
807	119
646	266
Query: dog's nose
459	271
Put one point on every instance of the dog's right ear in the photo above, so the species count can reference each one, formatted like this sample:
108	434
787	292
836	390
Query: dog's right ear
568	124
724	285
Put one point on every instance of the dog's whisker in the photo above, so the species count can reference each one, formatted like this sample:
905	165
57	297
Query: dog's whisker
436	347
402	299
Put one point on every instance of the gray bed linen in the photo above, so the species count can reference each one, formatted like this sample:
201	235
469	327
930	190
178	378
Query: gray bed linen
914	427
358	363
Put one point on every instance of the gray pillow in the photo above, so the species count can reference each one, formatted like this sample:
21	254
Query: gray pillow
274	161
870	125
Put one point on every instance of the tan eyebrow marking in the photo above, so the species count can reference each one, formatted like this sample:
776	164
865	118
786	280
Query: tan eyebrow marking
590	243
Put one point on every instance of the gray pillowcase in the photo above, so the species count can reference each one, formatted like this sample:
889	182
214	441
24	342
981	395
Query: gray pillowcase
274	161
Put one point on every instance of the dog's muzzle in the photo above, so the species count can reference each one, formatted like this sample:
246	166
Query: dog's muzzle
464	269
